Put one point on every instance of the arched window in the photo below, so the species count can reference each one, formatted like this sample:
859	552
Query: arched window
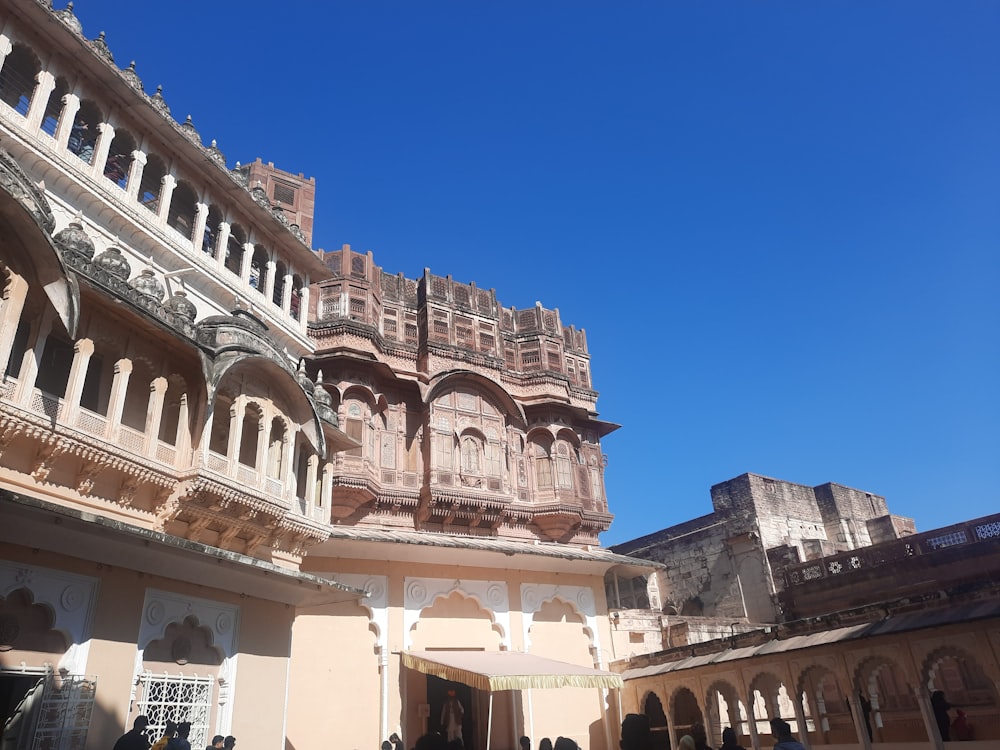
211	236
541	449
275	442
152	182
173	399
295	306
54	106
183	207
119	161
279	283
218	440
83	134
234	249
564	469
17	78
354	425
137	396
258	262
471	455
248	437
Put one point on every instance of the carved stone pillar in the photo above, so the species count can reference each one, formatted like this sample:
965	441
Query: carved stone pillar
107	134
45	82
71	105
289	456
304	307
29	367
225	228
260	460
245	262
119	387
269	279
286	293
10	315
326	491
154	413
135	173
83	349
200	219
235	435
167	185
310	494
182	440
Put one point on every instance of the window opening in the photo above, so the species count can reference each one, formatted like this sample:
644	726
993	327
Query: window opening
234	249
83	135
119	161
183	207
211	235
18	348
17	78
53	369
54	107
152	182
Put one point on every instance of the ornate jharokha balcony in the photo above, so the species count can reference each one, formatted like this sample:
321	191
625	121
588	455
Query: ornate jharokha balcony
56	441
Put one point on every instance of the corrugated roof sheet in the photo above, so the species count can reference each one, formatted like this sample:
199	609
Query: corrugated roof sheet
895	624
488	544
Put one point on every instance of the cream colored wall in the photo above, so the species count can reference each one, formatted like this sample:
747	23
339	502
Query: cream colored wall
263	643
452	621
558	632
334	682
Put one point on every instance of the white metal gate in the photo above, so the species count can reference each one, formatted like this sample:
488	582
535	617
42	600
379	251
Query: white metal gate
177	697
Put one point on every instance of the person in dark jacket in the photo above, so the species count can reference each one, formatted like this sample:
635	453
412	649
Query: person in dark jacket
782	732
729	740
135	738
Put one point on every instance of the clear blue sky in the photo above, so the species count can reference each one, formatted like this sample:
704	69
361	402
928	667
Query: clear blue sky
778	222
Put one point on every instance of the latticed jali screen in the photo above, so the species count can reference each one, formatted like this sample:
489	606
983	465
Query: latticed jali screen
166	697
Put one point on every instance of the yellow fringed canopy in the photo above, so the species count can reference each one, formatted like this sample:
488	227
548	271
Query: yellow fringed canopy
507	670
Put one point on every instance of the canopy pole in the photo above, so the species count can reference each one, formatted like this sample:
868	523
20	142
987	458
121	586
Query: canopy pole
531	718
489	723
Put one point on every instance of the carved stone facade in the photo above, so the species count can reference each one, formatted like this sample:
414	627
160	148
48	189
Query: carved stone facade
228	461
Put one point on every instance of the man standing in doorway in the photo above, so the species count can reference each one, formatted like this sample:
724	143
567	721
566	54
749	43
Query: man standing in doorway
451	717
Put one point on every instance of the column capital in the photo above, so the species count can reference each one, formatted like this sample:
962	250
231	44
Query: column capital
84	346
139	157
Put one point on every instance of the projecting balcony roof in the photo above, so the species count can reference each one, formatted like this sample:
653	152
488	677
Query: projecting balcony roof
437	547
112	542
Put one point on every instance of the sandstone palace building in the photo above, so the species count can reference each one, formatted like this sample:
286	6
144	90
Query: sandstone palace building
281	494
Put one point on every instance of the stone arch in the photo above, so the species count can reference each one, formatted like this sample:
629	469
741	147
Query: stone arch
825	705
258	266
893	702
501	399
183	209
18	77
652	707
461	610
491	596
185	641
151	184
27	249
28	632
69	598
233	260
966	685
725	709
684	710
85	131
210	235
54	106
120	156
771	699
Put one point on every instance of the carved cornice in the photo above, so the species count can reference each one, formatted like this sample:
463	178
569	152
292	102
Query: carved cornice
14	181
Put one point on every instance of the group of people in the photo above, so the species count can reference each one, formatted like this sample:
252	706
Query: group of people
174	737
636	735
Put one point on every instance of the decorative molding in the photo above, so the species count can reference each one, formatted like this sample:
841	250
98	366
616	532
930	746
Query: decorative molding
581	598
419	593
71	599
377	601
160	608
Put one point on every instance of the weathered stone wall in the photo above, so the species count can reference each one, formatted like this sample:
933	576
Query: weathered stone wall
724	564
